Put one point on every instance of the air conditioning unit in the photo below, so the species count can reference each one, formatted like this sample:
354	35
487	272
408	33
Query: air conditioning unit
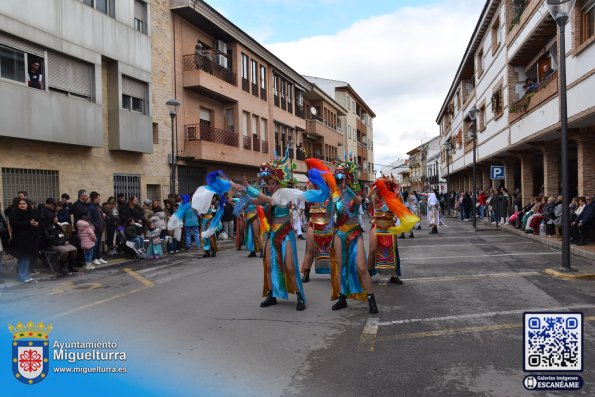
222	60
221	51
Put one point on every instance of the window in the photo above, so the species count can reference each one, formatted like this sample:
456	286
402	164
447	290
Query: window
481	123
254	72
479	62
263	129
588	20
134	94
276	85
71	76
12	64
128	184
229	120
140	16
245	117
245	66
104	6
39	184
155	133
205	116
497	99
496	35
263	77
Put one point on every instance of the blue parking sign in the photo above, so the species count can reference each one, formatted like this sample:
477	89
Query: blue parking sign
497	172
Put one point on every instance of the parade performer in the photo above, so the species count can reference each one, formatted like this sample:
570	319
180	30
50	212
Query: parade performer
434	212
202	200
384	252
350	272
251	235
176	221
240	222
319	237
281	274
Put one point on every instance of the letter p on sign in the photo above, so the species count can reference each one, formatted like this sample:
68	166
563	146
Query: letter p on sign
497	172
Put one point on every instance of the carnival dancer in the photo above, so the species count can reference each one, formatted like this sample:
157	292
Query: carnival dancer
281	273
250	230
384	252
433	212
350	271
203	202
319	237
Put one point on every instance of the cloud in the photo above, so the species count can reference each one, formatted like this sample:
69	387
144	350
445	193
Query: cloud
402	64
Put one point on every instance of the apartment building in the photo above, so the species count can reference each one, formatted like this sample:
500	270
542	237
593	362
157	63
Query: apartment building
357	126
509	72
84	120
399	170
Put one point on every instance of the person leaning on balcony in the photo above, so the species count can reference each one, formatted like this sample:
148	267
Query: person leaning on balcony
530	86
547	71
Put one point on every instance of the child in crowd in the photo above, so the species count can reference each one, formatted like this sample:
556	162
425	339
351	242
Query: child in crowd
153	235
131	233
86	233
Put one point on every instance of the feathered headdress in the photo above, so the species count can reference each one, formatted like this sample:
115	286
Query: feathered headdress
347	170
280	170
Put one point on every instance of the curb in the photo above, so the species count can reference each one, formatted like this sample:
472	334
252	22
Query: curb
570	276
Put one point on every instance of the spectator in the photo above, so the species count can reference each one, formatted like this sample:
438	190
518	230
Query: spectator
96	216
4	239
147	213
112	220
35	79
46	214
191	224
227	221
482	199
154	237
86	234
467	204
155	207
121	203
530	86
131	233
21	195
24	236
55	238
80	207
547	71
585	222
64	213
131	210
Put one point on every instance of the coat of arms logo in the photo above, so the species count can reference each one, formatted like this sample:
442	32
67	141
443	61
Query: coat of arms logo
30	351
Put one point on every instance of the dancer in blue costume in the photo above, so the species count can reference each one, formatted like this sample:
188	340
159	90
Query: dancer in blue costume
251	230
351	270
281	272
217	184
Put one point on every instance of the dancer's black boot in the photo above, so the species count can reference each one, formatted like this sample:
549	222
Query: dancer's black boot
341	303
206	254
269	301
402	235
306	277
252	254
372	303
301	304
395	280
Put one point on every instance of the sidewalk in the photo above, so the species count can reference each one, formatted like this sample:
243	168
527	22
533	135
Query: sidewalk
10	278
584	271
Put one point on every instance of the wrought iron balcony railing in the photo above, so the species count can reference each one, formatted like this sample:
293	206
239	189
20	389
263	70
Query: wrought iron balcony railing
193	62
202	132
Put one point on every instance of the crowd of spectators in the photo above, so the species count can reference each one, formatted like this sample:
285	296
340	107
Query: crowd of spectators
69	236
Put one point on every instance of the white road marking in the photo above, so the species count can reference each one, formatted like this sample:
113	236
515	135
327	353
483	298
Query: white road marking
472	276
368	337
480	315
482	256
464	245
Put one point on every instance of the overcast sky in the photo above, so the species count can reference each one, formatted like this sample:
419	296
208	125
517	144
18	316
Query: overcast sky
399	55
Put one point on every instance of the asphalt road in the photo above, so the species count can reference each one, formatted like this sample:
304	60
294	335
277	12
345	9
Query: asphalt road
454	328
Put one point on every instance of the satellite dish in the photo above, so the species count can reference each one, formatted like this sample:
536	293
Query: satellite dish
313	110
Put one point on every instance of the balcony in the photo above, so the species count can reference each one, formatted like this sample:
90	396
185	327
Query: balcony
360	126
522	11
255	143
247	142
204	64
202	132
545	91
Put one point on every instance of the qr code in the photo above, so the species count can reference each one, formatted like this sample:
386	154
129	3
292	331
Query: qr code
553	341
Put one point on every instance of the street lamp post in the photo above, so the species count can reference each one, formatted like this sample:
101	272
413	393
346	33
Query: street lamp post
560	11
473	116
173	106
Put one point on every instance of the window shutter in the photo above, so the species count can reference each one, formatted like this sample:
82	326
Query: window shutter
24	46
139	10
205	114
70	74
134	88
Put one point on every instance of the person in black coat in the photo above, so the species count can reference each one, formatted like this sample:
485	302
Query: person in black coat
585	222
4	238
80	207
24	237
